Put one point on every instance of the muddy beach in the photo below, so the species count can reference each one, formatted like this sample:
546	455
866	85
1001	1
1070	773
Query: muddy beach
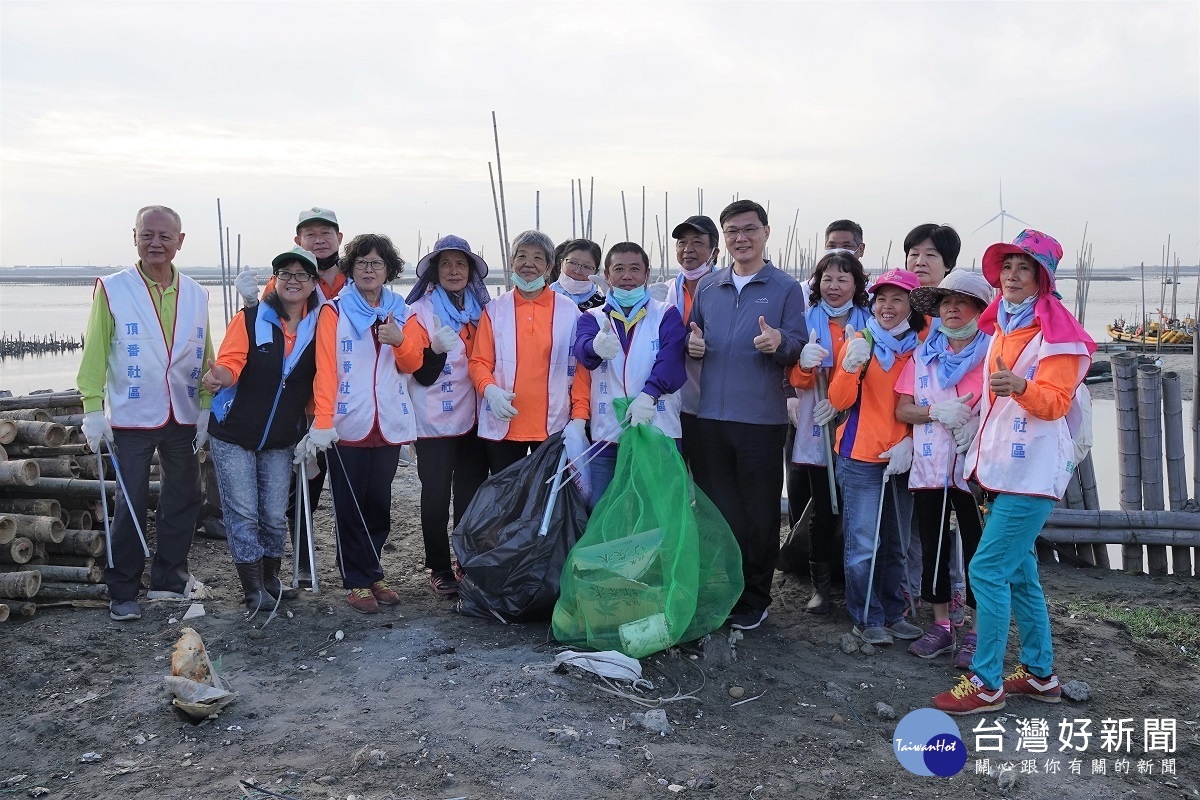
418	702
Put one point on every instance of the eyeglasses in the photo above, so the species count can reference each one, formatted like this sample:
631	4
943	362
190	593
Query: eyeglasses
370	266
570	262
295	277
748	231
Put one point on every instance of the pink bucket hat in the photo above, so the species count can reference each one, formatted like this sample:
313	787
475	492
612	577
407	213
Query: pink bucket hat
1041	248
900	278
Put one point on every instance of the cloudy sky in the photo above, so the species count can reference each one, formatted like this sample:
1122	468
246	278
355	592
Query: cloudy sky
892	114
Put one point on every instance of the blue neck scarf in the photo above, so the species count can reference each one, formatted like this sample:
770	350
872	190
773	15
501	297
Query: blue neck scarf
887	346
818	318
951	366
1015	316
306	330
449	314
362	316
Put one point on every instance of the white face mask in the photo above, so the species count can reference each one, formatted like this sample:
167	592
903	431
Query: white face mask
573	286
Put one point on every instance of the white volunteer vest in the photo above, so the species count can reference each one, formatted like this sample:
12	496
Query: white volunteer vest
448	407
1015	452
934	448
370	386
689	395
809	446
625	375
502	312
146	384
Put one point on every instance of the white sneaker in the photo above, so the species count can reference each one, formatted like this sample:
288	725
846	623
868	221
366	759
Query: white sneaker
194	590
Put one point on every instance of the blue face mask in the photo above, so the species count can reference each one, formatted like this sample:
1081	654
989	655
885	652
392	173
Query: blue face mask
529	286
627	297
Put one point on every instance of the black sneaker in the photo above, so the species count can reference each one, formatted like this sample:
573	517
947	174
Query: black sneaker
748	619
122	610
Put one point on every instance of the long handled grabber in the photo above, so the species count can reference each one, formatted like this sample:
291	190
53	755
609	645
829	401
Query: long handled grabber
937	563
308	522
875	548
303	517
558	484
137	525
827	440
361	517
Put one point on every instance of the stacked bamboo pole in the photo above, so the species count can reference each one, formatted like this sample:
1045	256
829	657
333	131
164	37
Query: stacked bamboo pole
1149	383
1177	490
1124	367
49	505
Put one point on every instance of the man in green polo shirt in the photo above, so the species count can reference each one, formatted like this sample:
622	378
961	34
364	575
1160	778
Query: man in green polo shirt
146	345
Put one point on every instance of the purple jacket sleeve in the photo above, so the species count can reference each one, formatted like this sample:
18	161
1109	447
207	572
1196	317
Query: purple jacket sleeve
668	375
585	331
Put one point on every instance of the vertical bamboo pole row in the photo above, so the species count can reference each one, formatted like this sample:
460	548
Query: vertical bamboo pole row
1124	368
500	182
1172	399
1150	450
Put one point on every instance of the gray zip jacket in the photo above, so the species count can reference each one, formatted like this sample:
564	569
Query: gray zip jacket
738	383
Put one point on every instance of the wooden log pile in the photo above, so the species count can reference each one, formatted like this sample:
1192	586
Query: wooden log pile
52	546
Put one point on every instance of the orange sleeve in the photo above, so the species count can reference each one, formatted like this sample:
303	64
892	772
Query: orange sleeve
1049	395
407	354
325	385
235	346
413	329
581	393
483	357
802	378
843	386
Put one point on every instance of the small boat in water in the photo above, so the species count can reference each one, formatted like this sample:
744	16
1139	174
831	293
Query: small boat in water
1173	332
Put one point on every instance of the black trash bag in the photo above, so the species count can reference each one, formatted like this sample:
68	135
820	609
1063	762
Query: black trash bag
511	572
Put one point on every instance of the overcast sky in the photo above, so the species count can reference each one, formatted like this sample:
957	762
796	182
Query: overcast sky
892	114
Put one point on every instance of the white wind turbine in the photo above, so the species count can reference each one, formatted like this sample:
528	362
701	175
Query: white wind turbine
1001	217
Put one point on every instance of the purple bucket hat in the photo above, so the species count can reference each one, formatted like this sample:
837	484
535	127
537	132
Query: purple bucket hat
451	242
1043	249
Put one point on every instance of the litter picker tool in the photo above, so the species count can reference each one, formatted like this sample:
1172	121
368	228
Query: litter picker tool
137	525
875	548
558	484
827	440
937	563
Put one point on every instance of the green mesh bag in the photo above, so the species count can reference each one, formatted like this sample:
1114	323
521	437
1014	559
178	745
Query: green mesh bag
657	563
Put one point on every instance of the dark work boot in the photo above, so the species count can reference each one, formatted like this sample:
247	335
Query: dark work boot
271	581
821	578
251	576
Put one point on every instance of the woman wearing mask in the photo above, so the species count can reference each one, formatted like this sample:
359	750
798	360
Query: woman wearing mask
364	411
522	364
576	261
939	396
1023	457
837	305
874	452
444	310
261	392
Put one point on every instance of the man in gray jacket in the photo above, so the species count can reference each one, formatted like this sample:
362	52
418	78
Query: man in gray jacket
747	323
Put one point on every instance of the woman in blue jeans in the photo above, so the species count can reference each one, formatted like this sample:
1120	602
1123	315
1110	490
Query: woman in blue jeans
263	380
874	451
1023	457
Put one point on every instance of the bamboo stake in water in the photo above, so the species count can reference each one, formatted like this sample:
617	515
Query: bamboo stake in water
221	250
591	204
500	230
237	295
1149	383
228	284
537	211
582	221
500	181
624	215
643	239
573	235
1124	369
1172	398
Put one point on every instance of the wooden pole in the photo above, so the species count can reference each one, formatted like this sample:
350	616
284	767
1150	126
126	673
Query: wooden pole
20	608
573	234
1091	502
582	222
79	543
221	250
80	520
591	203
1074	500
1150	451
643	239
1172	398
500	231
27	414
20	584
3	612
70	488
8	431
46	434
1158	537
57	572
1073	518
72	591
40	508
624	215
1124	369
39	529
537	210
8	529
68	560
48	400
57	467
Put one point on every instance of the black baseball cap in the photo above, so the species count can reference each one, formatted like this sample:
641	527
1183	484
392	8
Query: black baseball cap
699	223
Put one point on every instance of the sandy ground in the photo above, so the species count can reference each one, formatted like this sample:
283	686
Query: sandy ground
470	708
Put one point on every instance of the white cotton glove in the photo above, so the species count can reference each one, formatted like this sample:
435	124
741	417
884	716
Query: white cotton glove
443	339
247	285
641	410
201	430
579	426
858	352
965	434
952	413
899	457
793	404
599	282
606	344
96	427
824	413
319	439
500	402
811	355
